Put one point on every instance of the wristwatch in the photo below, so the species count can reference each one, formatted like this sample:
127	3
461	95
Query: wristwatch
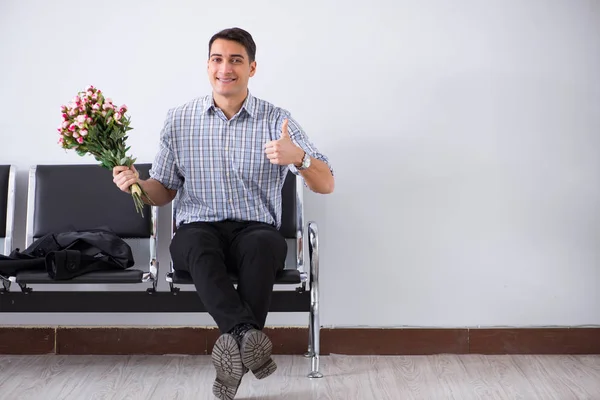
305	162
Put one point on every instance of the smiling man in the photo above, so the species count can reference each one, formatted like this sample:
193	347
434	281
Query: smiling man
225	157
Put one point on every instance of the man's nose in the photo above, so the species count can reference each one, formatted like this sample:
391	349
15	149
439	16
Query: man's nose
225	68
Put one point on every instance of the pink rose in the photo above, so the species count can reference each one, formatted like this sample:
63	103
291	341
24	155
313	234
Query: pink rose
107	106
96	106
117	116
75	134
79	139
81	118
109	100
61	140
72	127
65	124
83	132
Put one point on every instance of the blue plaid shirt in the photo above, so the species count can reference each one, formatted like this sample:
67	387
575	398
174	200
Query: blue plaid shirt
219	167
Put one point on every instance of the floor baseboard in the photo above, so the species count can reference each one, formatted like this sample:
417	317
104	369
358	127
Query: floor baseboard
349	341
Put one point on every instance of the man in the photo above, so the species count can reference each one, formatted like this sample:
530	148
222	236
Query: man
226	156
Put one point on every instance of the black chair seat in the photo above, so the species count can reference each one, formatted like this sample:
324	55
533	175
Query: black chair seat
284	277
117	276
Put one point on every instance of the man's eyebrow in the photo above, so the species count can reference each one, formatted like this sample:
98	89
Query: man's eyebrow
220	55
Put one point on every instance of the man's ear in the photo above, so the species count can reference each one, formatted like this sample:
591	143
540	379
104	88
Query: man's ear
252	68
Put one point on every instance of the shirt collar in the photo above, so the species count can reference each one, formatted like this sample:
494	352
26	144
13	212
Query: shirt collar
209	103
249	104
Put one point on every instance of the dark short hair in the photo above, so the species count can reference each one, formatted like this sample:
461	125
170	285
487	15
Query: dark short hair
237	35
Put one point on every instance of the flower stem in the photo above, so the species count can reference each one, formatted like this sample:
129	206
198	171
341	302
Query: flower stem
137	193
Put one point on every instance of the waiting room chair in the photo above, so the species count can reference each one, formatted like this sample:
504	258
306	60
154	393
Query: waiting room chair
80	197
294	275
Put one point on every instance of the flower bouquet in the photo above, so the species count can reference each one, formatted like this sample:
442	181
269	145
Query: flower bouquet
92	124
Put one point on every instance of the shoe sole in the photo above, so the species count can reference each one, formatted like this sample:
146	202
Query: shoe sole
227	361
256	351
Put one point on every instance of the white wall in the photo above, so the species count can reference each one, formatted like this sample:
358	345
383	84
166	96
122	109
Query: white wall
465	137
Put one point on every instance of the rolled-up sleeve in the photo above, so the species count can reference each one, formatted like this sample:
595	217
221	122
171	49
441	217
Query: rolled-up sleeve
164	168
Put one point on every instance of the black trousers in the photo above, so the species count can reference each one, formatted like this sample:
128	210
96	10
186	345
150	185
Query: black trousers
254	251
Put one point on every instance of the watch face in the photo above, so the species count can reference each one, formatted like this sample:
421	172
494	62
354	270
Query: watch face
306	162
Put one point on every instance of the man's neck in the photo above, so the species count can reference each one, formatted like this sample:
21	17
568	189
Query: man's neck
229	105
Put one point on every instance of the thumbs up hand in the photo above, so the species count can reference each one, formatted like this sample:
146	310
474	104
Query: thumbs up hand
283	151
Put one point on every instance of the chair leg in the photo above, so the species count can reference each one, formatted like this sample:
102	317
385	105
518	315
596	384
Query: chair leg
6	284
311	346
314	325
316	339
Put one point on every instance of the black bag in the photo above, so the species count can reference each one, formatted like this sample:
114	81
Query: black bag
69	254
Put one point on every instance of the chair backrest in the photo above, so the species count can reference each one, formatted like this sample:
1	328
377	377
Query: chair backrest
7	205
83	196
289	205
292	214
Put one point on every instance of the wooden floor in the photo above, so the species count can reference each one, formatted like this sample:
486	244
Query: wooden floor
346	377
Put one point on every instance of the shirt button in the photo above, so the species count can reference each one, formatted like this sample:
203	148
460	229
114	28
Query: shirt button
227	174
226	148
230	200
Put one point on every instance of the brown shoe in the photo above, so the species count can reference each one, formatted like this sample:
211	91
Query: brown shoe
227	360
256	348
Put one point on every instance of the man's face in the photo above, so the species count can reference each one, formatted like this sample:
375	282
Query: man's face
229	68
